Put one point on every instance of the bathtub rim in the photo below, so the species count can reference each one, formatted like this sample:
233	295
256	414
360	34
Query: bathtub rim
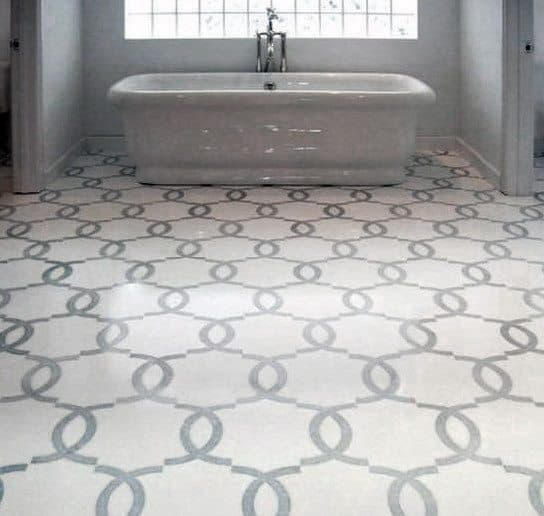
419	94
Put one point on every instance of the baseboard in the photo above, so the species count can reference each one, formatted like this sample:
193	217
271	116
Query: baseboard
57	167
6	179
436	143
107	144
489	171
456	144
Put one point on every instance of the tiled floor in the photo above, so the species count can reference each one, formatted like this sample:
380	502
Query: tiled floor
271	351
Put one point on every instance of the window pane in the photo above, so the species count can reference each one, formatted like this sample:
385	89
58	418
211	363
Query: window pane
211	6
284	6
164	25
307	25
286	23
138	6
331	6
189	25
354	25
188	6
164	6
331	25
355	6
379	6
235	6
379	25
311	6
404	26
259	6
211	25
235	25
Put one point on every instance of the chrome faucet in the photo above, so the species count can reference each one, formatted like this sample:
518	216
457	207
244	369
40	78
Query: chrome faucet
271	35
270	63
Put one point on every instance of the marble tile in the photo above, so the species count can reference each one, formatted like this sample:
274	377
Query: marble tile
277	351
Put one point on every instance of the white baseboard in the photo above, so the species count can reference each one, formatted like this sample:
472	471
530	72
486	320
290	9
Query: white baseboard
56	168
107	144
456	144
489	171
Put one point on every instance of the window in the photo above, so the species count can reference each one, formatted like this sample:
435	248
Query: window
156	19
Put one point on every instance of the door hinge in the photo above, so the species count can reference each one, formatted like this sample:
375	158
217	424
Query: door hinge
15	45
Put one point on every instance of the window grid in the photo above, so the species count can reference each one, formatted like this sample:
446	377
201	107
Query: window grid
170	19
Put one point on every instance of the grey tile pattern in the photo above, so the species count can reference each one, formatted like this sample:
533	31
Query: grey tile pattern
267	350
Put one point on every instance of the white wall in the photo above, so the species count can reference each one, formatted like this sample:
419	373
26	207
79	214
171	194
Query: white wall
5	30
62	77
539	74
482	77
434	58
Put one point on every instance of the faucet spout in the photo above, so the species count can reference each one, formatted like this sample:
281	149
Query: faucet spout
271	15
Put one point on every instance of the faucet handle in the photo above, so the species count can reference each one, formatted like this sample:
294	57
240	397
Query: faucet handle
271	13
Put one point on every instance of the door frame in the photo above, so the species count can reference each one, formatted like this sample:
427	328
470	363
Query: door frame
27	109
518	176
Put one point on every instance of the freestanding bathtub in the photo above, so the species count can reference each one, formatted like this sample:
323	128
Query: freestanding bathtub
290	128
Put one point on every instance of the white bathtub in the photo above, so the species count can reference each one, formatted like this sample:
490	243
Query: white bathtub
314	128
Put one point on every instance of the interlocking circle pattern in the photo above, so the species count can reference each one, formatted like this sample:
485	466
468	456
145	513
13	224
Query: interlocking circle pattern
271	350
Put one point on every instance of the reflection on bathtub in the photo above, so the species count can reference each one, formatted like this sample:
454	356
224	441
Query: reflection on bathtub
305	130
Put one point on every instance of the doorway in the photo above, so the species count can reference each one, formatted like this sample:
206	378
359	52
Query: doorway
539	93
6	162
21	131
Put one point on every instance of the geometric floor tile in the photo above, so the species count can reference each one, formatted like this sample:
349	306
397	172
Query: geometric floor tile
255	351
